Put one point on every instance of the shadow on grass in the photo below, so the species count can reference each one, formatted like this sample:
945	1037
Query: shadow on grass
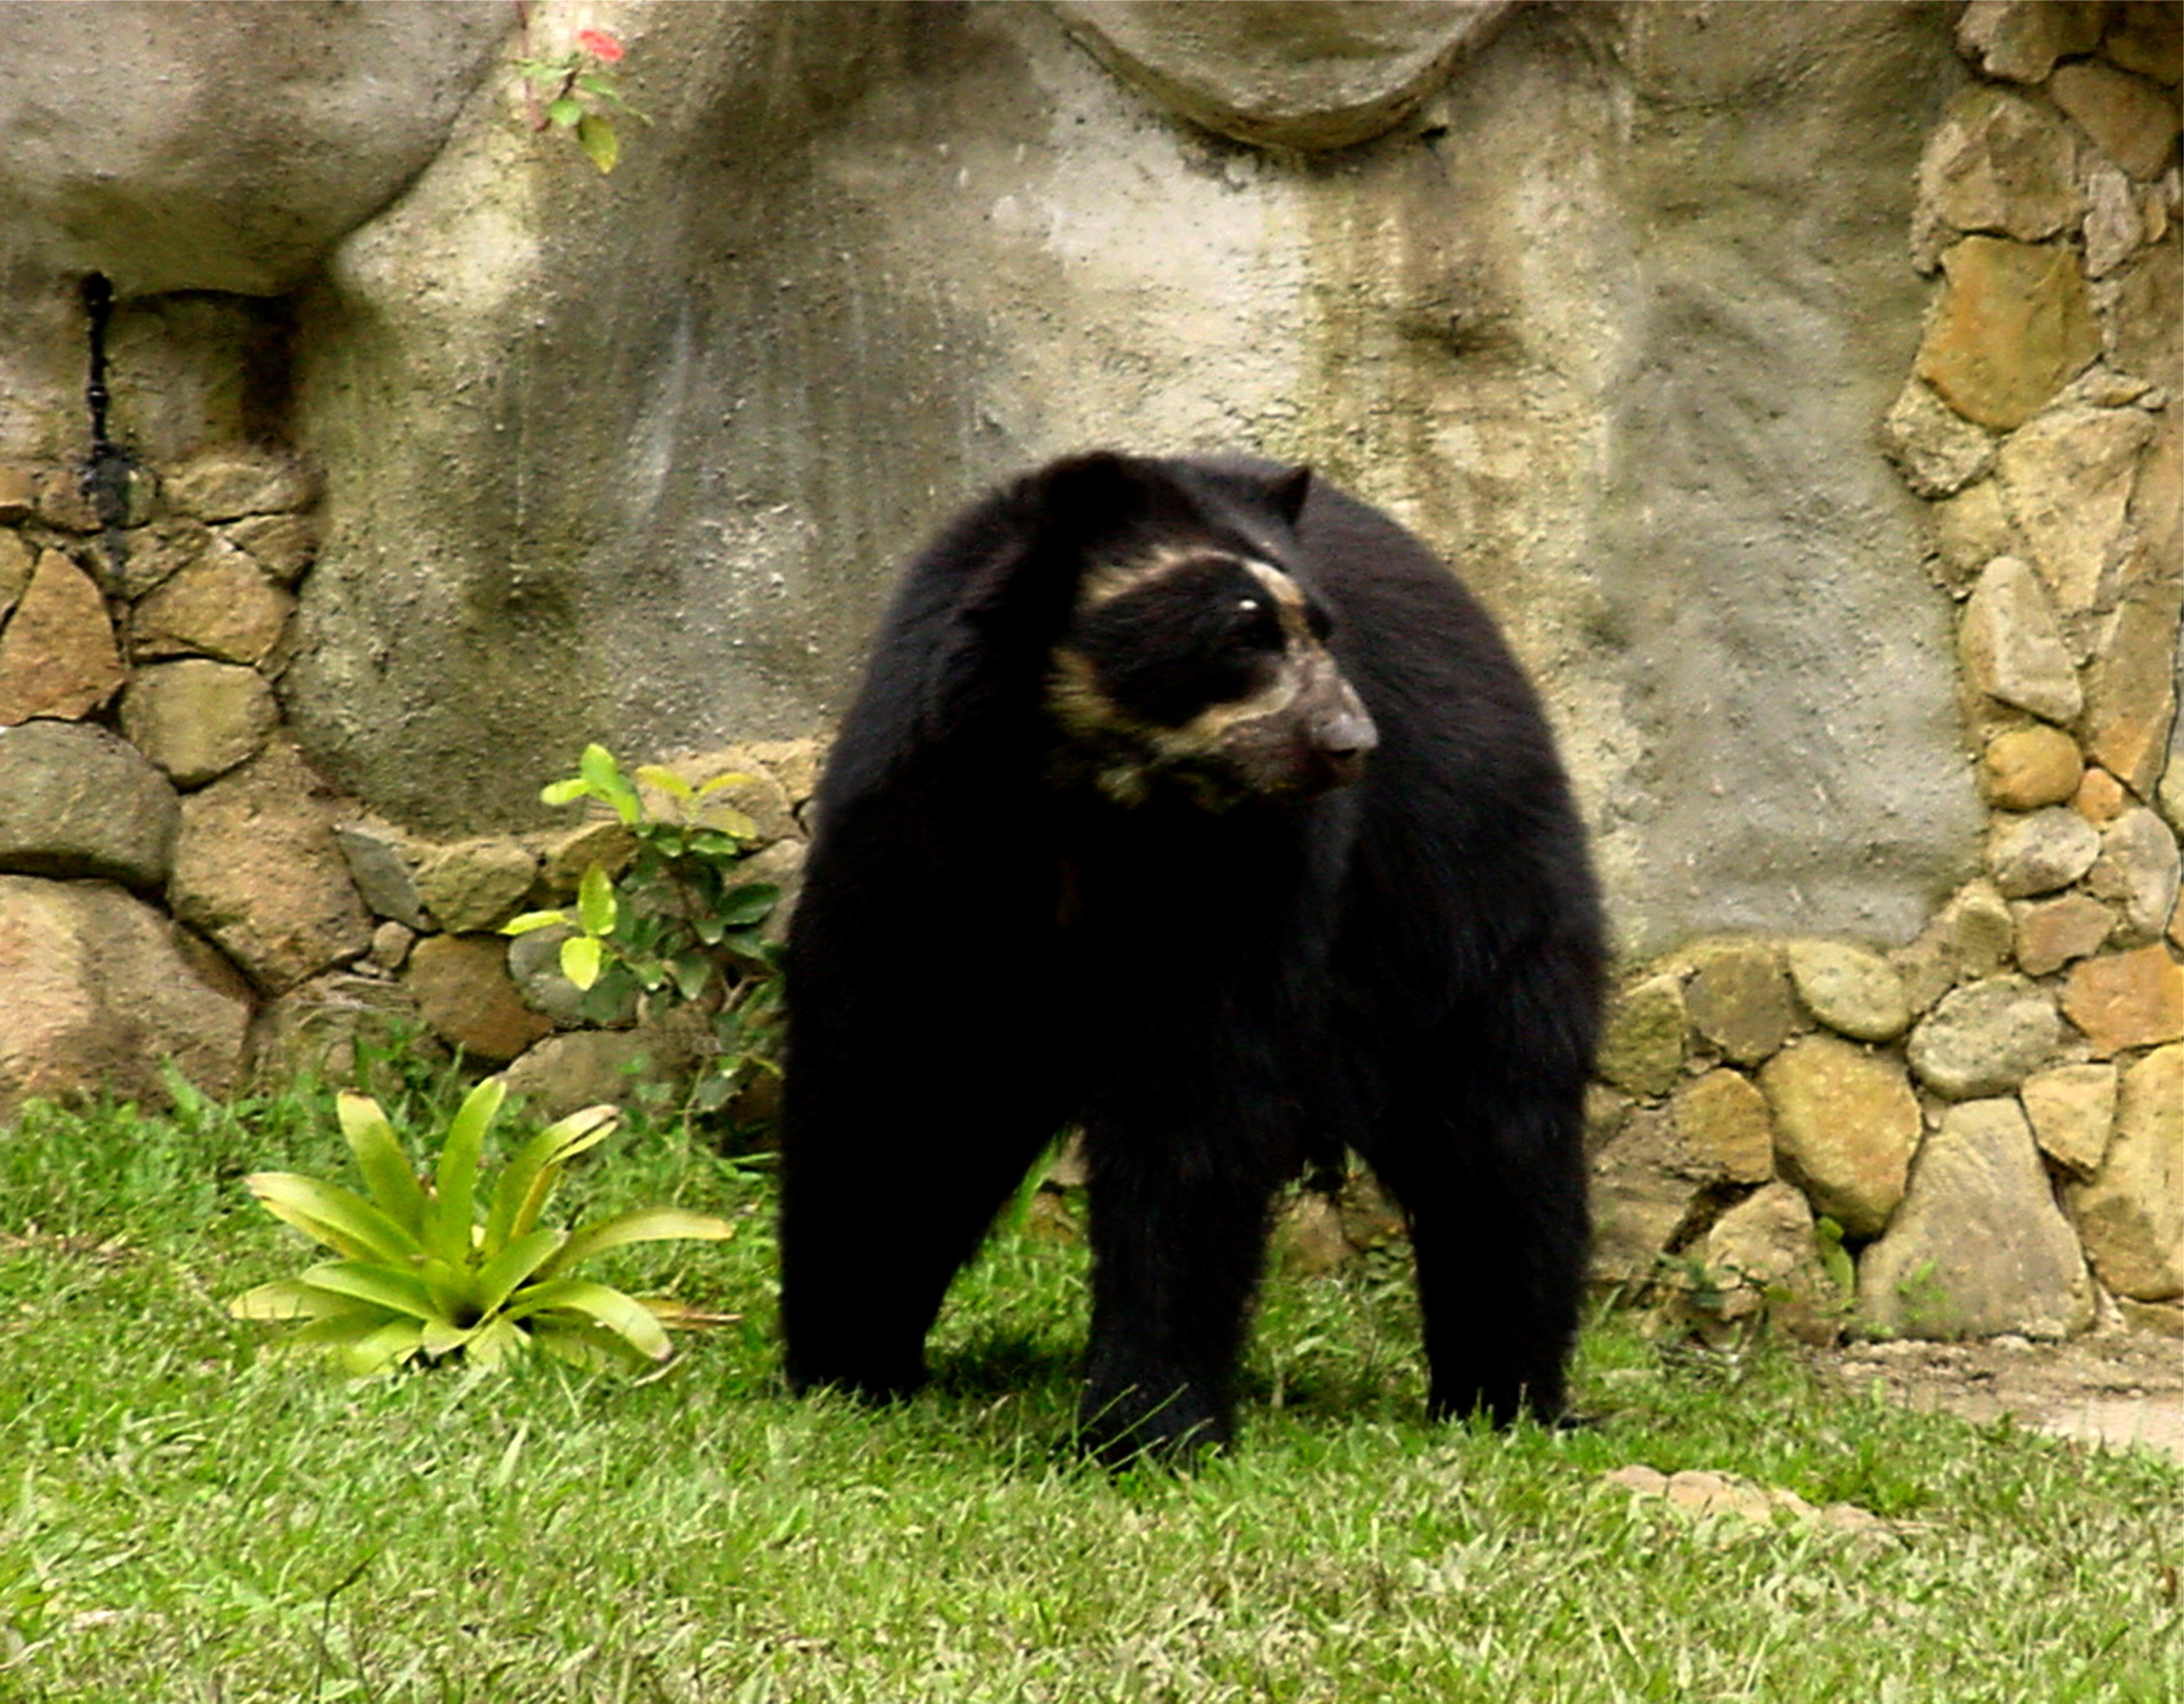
1005	1363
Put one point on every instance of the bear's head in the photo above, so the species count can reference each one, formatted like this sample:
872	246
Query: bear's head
1194	660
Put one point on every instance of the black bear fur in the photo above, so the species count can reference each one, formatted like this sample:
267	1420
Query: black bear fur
991	944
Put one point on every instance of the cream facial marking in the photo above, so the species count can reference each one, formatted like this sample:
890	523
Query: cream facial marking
1146	693
1288	600
1103	582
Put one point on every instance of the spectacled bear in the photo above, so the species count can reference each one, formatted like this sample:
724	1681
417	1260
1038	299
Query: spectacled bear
1194	802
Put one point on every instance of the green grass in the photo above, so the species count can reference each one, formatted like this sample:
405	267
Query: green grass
180	1520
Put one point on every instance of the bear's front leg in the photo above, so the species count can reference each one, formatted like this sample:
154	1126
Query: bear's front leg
1177	1245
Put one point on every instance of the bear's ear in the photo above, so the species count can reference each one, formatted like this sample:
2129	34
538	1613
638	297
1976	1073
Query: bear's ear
1090	498
1287	492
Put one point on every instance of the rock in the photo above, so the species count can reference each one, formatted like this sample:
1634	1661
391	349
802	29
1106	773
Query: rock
2010	647
2157	500
2163	1319
1996	162
1724	1129
2100	798
1979	1246
2066	480
795	763
1308	1238
780	865
1763	1253
1936	449
229	485
62	504
1970	530
76	802
2137	871
2149	40
462	989
2132	1213
382	861
2053	933
2072	1110
282	545
390	945
188	174
1707	1495
2123	1000
759	796
1739	1001
566	856
2130	695
220	607
534	965
1642	1049
18	560
1849	989
1969	938
476	884
1605	1111
1846	1123
2101	385
2020	39
2140	304
154	555
2132	121
98	988
256	868
57	653
591	1067
18	493
1292	76
1984	1039
1976	929
2040	851
2113	231
198	720
2023	768
314	1029
2013	326
1370	1217
1643	1192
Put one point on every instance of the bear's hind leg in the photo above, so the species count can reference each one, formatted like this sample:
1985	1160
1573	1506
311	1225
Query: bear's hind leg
1494	1193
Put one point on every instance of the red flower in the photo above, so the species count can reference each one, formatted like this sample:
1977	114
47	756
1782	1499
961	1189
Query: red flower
599	45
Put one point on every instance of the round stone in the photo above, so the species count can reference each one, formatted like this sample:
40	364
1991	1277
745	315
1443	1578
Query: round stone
1985	1039
2027	767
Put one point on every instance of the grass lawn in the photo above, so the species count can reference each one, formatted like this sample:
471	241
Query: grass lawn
180	1519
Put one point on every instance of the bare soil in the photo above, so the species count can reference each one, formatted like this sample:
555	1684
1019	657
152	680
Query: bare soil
2112	1388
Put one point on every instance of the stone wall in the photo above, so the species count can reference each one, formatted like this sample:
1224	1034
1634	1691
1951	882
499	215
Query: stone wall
1993	1115
1688	332
178	884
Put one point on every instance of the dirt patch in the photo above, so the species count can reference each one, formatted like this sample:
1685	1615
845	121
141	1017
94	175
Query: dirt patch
2111	1388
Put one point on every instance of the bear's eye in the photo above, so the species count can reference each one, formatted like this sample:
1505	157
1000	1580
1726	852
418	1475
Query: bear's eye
1255	626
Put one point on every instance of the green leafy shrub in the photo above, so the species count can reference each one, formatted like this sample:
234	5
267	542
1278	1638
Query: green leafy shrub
421	1278
679	926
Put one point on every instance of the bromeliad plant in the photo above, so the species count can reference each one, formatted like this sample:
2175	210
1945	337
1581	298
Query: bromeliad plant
420	1278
